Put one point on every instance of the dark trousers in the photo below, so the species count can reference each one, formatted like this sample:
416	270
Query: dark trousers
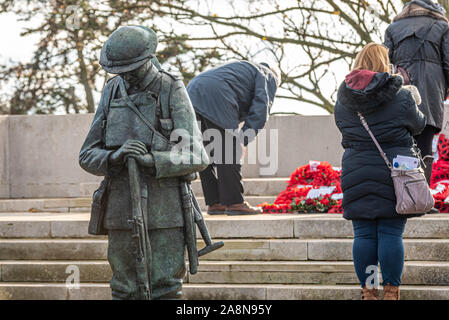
379	241
222	180
425	139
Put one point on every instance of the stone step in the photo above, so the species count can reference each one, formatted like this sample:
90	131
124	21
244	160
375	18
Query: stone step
101	291
76	205
320	250
234	249
252	200
305	226
253	187
53	249
310	272
226	272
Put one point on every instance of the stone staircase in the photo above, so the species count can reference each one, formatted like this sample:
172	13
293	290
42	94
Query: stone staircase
257	190
265	257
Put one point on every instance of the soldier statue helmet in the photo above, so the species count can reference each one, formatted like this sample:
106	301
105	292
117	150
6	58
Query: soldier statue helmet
128	48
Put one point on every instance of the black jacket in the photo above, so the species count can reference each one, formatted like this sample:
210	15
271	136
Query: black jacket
429	69
393	117
232	93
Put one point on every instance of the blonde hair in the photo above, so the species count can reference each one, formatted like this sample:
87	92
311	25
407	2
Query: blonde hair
373	57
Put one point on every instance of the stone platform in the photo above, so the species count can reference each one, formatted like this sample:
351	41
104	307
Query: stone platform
264	257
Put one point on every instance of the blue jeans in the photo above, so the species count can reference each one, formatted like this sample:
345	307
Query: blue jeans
379	241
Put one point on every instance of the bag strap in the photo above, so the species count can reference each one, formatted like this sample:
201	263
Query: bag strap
165	120
113	90
134	109
165	96
382	153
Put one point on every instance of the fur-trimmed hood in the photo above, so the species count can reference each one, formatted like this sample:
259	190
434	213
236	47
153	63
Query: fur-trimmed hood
363	91
418	8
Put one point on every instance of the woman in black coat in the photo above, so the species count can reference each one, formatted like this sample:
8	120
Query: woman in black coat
368	193
418	40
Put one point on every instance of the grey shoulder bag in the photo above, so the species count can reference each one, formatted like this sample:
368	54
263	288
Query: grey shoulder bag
413	194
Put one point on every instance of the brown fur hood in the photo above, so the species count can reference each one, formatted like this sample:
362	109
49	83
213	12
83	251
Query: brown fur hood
418	8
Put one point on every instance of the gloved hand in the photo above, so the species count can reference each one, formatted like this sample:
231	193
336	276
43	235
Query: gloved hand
130	147
145	160
415	93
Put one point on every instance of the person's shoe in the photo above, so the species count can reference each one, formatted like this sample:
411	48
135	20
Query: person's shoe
216	209
242	209
370	294
391	292
433	211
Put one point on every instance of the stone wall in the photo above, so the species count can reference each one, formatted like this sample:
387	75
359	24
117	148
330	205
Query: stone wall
39	153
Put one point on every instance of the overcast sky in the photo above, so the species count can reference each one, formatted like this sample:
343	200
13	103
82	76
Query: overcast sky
14	47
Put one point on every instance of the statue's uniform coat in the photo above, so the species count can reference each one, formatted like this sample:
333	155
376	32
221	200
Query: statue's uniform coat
159	185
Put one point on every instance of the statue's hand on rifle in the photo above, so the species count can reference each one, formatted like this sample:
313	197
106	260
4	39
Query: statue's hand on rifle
130	147
144	160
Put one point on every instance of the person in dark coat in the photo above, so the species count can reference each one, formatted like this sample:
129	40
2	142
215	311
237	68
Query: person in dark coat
418	40
368	193
223	97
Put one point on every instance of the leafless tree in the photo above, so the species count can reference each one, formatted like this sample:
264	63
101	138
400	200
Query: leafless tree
312	42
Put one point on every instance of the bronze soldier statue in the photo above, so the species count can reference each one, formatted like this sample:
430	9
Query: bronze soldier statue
145	204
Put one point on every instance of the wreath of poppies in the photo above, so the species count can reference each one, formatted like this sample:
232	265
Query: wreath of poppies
440	176
315	174
306	182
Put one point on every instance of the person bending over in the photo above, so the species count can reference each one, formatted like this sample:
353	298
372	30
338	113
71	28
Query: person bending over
223	97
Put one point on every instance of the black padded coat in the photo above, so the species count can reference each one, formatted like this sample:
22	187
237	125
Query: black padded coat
393	117
428	65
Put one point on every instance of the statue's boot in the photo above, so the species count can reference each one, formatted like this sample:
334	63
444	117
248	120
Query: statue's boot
177	295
